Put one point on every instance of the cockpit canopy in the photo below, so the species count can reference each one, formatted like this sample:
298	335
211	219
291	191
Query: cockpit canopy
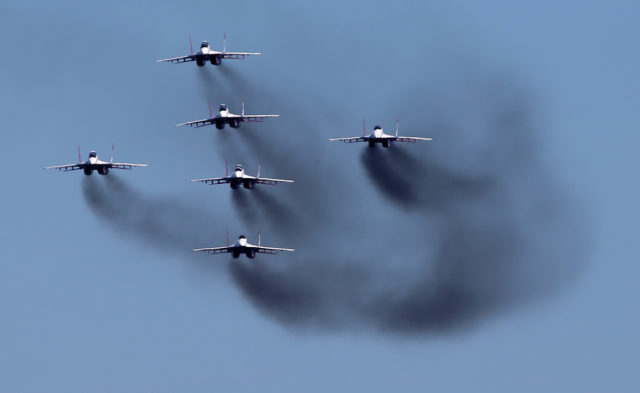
223	107
204	44
93	154
377	128
242	237
239	167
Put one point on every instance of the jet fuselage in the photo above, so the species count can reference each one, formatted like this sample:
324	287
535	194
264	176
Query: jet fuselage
238	178
93	163
206	54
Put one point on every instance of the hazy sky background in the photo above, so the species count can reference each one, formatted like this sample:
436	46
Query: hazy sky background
91	305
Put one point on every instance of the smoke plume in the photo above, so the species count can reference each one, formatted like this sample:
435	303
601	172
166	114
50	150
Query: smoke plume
469	237
413	239
165	223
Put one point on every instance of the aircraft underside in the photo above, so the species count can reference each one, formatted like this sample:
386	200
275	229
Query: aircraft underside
248	184
247	251
383	142
213	59
233	123
102	170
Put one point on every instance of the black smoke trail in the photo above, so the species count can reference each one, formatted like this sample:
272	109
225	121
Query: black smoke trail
466	204
167	224
408	240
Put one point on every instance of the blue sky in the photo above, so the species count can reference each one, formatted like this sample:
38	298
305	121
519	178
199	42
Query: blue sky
90	304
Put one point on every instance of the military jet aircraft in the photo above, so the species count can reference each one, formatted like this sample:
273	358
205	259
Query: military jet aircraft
378	136
93	163
206	54
225	117
243	247
239	177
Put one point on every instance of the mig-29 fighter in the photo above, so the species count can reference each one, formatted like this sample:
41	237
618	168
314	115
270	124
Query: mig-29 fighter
239	177
225	117
93	163
206	54
243	247
378	136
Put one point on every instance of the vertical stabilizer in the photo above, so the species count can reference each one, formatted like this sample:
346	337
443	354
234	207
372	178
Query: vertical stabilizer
224	45
259	239
397	125
363	127
112	153
210	110
243	107
258	169
79	155
226	168
227	237
190	45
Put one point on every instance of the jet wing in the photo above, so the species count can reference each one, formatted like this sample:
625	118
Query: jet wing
273	182
215	250
212	180
412	139
69	167
271	250
198	123
124	165
350	139
238	55
181	59
257	117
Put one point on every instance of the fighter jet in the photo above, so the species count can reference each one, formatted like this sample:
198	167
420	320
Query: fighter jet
206	54
239	177
94	164
378	136
225	117
243	247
